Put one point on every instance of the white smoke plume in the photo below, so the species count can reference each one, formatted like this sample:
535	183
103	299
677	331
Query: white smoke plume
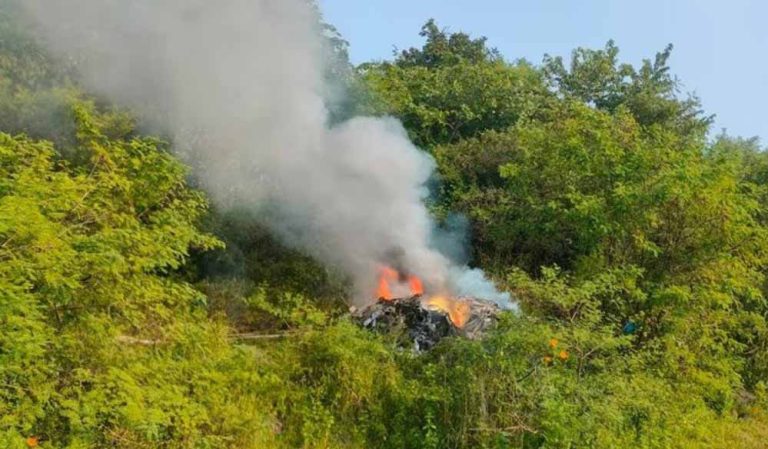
239	85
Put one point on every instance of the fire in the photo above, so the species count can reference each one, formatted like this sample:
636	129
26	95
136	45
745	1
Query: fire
415	284
458	311
386	276
393	284
390	279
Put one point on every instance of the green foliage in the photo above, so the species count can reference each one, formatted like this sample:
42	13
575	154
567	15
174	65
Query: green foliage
671	226
588	185
442	49
636	251
101	344
610	178
650	93
454	88
252	253
34	92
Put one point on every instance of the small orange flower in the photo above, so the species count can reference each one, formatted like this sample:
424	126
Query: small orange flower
547	359
553	343
32	441
563	355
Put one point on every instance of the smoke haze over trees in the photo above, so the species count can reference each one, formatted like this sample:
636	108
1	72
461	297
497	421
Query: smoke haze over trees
248	111
194	293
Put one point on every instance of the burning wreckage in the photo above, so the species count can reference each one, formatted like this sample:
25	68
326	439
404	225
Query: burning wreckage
420	320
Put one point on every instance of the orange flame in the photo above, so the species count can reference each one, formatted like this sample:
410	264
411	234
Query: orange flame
389	277
415	285
458	311
386	276
383	291
390	280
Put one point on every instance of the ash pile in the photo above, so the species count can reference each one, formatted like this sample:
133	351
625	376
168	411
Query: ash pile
420	323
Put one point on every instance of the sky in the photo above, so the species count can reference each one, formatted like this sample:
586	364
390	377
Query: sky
720	47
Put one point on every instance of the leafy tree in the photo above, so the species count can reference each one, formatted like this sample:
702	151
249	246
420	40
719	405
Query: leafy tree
101	344
554	191
650	93
442	50
671	226
453	88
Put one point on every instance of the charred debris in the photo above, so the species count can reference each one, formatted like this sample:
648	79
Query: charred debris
420	323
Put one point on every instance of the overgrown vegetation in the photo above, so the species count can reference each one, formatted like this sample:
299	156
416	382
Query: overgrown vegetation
133	316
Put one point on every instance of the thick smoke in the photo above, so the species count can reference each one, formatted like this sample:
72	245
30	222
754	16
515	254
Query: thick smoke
239	85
